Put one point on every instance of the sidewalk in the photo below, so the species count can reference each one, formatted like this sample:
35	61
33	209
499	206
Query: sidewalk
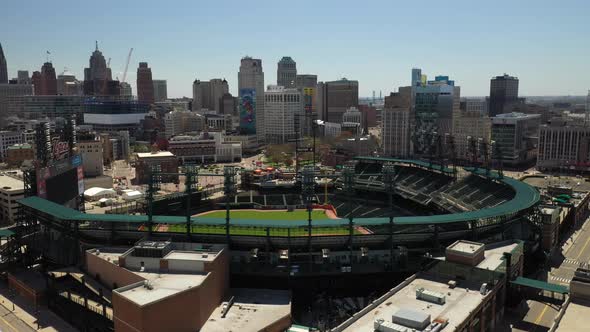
48	321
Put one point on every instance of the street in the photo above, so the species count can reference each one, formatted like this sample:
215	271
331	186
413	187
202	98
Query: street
10	323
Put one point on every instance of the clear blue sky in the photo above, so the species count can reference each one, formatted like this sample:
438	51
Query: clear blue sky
544	43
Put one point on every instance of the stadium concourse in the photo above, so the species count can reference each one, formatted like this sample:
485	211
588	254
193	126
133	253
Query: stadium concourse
432	206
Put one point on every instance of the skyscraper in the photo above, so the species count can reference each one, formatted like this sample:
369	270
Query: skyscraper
37	83
3	67
97	77
48	80
281	107
68	85
208	94
503	94
286	72
416	76
334	98
396	120
160	90
145	84
126	89
251	94
23	77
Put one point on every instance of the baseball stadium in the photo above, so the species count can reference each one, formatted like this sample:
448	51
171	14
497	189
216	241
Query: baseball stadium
380	212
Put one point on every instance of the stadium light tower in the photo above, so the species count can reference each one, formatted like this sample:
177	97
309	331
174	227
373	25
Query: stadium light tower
153	187
348	173
308	193
389	185
229	190
191	180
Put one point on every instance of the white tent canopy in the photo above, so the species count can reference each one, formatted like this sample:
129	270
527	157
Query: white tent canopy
96	193
131	195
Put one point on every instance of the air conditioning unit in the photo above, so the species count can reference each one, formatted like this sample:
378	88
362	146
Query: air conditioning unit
430	296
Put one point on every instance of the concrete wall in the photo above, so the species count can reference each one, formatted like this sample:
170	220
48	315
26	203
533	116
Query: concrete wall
150	263
109	273
280	325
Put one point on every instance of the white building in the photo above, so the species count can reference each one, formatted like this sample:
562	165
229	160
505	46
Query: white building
205	147
160	90
11	190
9	138
251	76
564	144
92	157
473	123
331	129
281	107
516	135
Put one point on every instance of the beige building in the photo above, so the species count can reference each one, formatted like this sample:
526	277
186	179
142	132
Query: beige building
470	123
564	144
180	122
11	190
92	157
281	107
396	124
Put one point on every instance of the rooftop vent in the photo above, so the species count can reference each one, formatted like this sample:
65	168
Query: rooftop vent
430	296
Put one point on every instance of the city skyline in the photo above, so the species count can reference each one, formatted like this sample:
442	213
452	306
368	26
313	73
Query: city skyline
376	44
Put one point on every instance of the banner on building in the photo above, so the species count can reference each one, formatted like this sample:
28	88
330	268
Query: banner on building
248	111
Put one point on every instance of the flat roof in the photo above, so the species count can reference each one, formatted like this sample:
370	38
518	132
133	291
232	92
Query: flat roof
191	256
571	320
10	183
466	246
460	302
155	154
253	310
494	257
162	286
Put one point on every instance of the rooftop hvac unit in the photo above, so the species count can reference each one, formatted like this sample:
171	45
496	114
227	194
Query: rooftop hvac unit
430	296
411	318
483	290
382	326
284	254
452	284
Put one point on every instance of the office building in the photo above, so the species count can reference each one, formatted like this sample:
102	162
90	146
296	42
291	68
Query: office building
470	121
3	67
205	147
97	77
515	135
160	90
111	116
23	77
180	122
564	144
68	85
90	148
12	189
503	94
281	107
40	107
334	98
306	81
8	139
416	76
434	104
126	90
286	72
209	94
164	160
396	124
145	84
353	115
229	104
48	85
251	94
18	153
8	91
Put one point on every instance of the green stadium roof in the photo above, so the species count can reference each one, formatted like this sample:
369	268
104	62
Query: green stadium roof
408	161
524	198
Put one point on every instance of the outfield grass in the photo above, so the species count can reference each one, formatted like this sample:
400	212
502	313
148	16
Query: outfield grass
260	231
267	215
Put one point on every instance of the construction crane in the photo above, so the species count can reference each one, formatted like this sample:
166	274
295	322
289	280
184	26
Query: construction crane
127	65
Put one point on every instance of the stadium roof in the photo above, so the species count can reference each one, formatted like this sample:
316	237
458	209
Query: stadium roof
525	197
408	161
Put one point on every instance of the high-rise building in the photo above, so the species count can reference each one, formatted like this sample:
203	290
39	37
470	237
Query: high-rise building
416	76
208	94
281	107
126	89
334	98
434	103
470	121
48	80
229	104
396	123
503	94
306	81
145	84
3	67
515	135
160	90
564	143
37	82
286	72
180	122
10	90
68	85
97	77
23	77
251	94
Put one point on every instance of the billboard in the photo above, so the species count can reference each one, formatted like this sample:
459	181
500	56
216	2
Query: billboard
308	99
62	181
248	111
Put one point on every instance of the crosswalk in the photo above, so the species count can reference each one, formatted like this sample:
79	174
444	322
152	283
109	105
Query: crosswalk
560	279
571	261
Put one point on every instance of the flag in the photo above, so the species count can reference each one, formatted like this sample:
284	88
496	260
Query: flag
48	52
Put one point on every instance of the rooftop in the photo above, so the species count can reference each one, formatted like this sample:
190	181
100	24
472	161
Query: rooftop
10	183
460	302
465	246
155	154
159	286
571	320
252	309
